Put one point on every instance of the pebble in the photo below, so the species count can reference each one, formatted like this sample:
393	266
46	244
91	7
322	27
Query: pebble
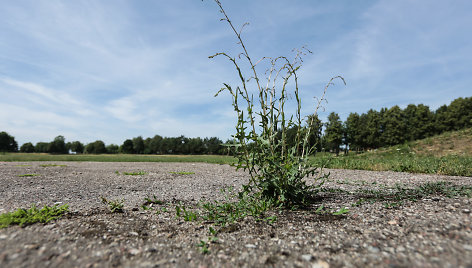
306	257
466	211
251	246
468	247
134	251
373	249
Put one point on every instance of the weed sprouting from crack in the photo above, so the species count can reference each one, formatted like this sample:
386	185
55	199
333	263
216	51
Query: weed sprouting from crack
115	206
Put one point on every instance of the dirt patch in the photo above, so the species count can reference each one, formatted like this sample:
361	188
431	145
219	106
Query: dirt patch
432	232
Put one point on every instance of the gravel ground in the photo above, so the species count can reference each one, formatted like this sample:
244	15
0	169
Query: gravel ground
432	232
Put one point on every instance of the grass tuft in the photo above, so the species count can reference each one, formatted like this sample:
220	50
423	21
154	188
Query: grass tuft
182	173
23	217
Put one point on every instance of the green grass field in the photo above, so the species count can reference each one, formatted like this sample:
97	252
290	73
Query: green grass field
448	154
398	161
27	157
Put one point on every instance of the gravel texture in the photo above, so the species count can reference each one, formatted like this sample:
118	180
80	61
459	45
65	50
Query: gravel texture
432	232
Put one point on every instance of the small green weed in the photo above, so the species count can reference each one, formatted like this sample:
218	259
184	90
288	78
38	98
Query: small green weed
138	173
229	211
390	205
32	215
204	247
115	206
28	175
23	166
182	173
188	215
341	211
153	200
321	210
150	201
358	203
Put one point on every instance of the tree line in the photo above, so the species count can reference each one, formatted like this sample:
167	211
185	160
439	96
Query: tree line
359	132
394	125
137	145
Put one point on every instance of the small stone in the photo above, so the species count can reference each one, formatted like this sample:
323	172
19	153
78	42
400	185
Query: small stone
133	233
374	250
134	251
468	247
466	211
3	237
320	264
306	257
456	205
14	256
251	246
400	249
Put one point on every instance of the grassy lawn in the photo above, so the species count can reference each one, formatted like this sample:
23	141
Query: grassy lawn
26	157
448	154
398	161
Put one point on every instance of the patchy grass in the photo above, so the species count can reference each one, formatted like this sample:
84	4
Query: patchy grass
28	175
52	165
399	161
394	197
115	206
137	173
32	215
450	143
449	154
182	173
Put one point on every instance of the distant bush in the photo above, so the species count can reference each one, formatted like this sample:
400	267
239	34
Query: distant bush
27	148
7	143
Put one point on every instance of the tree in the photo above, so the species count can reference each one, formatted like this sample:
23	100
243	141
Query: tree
460	113
112	149
195	146
138	145
370	129
418	121
147	146
7	143
213	145
334	132
156	144
96	147
27	148
76	147
393	126
316	127
58	146
441	120
100	147
41	147
352	133
127	147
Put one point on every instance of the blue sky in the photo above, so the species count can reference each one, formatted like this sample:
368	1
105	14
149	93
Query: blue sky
112	70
